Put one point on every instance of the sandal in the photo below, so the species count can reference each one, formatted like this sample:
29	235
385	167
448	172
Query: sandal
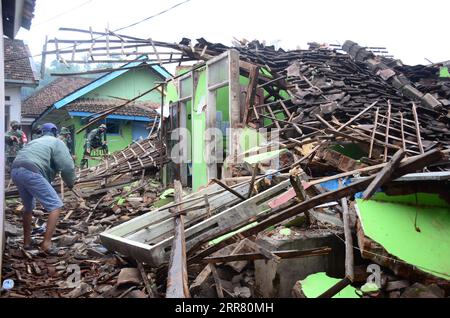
34	244
52	251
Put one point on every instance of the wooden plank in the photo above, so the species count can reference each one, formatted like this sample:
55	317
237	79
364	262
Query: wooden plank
223	185
324	122
234	98
333	290
148	285
44	56
217	281
251	92
177	280
416	122
357	116
388	122
402	131
385	174
285	197
255	256
372	139
349	262
200	279
265	221
252	182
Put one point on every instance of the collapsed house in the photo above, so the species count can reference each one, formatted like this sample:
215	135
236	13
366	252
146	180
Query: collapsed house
334	158
341	117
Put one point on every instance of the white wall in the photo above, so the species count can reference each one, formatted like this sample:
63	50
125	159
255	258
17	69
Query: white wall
15	102
2	143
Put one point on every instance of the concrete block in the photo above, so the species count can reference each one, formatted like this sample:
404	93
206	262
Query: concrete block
277	280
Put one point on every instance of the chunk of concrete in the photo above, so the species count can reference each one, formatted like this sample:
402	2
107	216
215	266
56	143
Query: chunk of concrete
277	280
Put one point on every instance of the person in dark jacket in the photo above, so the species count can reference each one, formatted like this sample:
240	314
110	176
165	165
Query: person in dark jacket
33	170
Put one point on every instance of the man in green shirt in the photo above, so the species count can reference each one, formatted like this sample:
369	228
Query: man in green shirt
96	139
33	170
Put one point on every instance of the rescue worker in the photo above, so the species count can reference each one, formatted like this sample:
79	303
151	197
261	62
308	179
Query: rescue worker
14	141
96	139
66	137
37	132
33	170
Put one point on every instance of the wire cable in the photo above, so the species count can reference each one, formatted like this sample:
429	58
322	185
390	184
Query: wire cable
63	13
116	30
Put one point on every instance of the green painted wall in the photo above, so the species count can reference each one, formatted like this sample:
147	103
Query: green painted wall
197	123
199	172
316	284
129	85
390	221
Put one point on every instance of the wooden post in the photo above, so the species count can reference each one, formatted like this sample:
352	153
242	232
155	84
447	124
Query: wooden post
44	55
387	131
349	271
234	102
416	121
333	290
385	174
217	281
372	139
177	280
402	131
357	116
251	92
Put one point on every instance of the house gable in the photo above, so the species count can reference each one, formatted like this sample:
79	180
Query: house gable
100	83
129	85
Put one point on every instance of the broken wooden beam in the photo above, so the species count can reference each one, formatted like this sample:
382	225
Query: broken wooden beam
349	261
251	92
385	174
333	290
152	293
217	281
223	185
177	280
410	165
257	255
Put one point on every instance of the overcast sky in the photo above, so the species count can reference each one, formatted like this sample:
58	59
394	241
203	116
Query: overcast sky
411	30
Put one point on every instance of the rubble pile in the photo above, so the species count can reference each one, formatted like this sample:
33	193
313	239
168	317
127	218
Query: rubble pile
360	168
81	257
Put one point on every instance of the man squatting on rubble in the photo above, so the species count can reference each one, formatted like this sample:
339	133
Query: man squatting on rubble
96	139
33	170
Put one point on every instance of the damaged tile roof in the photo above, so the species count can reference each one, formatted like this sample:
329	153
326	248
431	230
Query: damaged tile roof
17	66
37	103
96	105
